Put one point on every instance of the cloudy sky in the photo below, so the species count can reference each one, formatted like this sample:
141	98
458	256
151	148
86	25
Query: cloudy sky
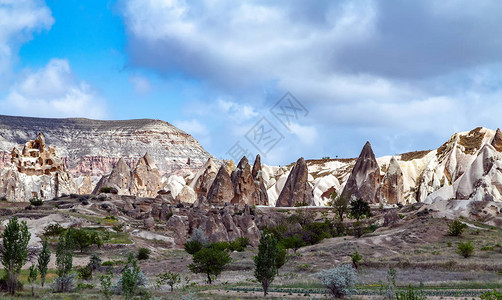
404	75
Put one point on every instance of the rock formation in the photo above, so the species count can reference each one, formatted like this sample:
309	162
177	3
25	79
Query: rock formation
259	182
497	140
391	189
245	189
204	178
222	190
297	189
364	178
144	180
93	146
35	172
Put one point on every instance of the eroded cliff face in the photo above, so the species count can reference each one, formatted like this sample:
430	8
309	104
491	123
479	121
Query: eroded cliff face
94	147
35	172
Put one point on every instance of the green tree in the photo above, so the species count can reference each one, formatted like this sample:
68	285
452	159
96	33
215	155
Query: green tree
64	261
43	261
294	242
32	277
359	208
341	205
265	261
131	277
14	251
210	262
169	278
80	238
280	260
106	285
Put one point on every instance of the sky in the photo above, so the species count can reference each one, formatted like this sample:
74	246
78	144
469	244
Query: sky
284	79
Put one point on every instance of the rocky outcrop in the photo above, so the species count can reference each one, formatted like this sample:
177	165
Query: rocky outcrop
259	182
204	178
85	185
222	190
246	190
93	146
391	189
364	179
144	180
497	140
35	172
297	190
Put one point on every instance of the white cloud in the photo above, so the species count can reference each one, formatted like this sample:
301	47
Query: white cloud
52	91
306	134
196	129
141	84
19	19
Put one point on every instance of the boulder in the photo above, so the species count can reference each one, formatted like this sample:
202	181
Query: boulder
178	229
187	195
364	179
297	189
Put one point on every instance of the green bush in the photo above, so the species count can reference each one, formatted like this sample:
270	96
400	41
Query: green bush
492	295
456	228
356	259
85	273
84	286
210	262
143	253
105	190
411	294
192	247
36	202
220	246
53	230
465	249
239	244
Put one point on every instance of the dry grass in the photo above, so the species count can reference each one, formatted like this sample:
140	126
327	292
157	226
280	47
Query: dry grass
414	155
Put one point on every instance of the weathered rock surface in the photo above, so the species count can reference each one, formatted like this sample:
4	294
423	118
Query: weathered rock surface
391	189
259	182
246	190
221	190
204	178
93	146
364	179
35	172
497	140
144	180
297	189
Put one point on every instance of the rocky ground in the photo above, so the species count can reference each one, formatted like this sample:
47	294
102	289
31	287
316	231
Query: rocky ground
414	242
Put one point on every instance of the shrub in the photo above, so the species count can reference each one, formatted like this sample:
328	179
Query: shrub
192	247
465	249
491	295
200	236
143	253
356	259
94	262
411	294
293	242
132	278
118	227
36	201
85	273
53	230
64	283
456	228
169	278
84	286
106	285
339	280
105	190
239	244
359	209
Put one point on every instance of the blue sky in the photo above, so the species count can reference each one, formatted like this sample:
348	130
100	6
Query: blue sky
404	75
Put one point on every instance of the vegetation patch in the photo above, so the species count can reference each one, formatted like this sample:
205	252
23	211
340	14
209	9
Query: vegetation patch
414	155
